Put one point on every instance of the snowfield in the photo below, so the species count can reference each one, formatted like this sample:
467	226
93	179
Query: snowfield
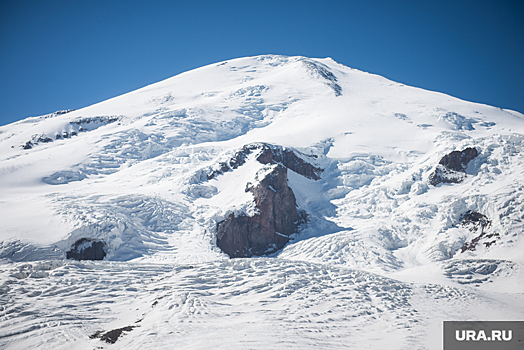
384	257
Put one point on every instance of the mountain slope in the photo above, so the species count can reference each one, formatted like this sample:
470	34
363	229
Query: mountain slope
152	174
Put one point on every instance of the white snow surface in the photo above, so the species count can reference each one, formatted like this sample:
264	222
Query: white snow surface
378	264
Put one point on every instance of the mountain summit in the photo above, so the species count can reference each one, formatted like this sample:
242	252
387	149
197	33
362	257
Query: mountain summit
292	192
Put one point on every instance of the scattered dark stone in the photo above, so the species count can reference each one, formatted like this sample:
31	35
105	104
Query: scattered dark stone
452	167
476	222
269	230
106	119
35	140
95	335
87	249
476	219
43	138
65	111
271	154
57	113
111	336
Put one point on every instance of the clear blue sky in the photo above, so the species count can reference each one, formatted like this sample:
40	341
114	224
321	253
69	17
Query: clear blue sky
71	54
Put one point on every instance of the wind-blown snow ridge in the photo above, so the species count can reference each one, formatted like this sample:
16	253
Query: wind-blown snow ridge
153	172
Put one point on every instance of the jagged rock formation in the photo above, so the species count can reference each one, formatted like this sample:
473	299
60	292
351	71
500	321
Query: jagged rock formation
269	230
452	167
478	223
111	336
278	217
87	249
35	140
271	154
80	124
96	121
64	111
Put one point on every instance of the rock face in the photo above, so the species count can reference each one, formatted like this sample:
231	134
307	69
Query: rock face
87	249
478	224
111	336
271	154
278	216
452	167
80	124
269	230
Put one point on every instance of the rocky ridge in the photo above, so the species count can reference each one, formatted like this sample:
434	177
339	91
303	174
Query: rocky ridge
271	154
278	216
87	249
140	185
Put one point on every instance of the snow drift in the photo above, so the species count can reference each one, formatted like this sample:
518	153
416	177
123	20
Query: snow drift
402	208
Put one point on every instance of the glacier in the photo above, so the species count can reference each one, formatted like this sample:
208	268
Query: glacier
384	257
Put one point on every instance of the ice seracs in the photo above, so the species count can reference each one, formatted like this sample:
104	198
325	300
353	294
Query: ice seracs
383	207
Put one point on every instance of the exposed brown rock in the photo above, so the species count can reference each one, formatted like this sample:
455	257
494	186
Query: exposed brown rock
269	230
271	154
278	216
288	158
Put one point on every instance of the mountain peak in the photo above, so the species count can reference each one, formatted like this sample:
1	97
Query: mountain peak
340	186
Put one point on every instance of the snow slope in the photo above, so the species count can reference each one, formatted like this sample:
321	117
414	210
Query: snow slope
379	263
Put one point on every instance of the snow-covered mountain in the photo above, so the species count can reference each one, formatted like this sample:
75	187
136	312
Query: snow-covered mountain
358	212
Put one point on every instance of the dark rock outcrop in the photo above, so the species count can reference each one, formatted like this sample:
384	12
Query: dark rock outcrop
324	73
35	140
111	336
269	230
96	121
271	154
479	224
81	124
277	216
87	249
452	167
63	111
458	161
